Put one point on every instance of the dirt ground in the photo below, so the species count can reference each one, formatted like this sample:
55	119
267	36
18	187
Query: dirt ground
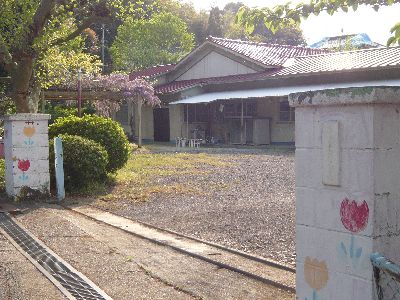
236	197
246	201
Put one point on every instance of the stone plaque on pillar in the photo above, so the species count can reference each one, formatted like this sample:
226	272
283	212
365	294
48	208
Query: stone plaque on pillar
347	189
330	153
26	153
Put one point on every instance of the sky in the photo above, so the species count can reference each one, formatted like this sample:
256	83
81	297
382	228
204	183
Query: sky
365	20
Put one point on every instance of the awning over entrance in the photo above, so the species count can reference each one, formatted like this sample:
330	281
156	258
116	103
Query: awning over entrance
280	91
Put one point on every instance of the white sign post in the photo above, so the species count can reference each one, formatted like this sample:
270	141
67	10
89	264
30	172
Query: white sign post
59	168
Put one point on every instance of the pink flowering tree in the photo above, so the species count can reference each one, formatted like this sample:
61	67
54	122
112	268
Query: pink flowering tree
114	89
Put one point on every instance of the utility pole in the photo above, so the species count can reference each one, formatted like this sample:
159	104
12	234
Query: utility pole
102	47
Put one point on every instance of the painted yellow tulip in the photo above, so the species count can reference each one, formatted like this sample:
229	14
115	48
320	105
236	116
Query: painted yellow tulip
29	131
315	273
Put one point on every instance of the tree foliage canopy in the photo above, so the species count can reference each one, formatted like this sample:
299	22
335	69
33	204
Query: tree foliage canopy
286	15
40	39
162	39
222	24
289	35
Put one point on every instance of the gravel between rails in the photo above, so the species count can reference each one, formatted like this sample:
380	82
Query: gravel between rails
248	205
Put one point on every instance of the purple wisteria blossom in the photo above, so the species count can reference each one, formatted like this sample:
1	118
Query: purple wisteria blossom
130	90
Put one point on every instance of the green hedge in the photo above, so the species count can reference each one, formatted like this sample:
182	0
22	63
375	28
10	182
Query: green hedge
104	131
85	162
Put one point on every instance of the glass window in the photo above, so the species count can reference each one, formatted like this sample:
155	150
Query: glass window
235	109
286	113
251	109
197	113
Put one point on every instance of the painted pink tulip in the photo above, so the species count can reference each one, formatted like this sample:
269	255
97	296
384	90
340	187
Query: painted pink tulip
354	217
24	165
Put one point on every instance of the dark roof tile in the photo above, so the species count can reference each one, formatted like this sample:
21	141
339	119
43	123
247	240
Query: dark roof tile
267	54
177	86
153	71
343	61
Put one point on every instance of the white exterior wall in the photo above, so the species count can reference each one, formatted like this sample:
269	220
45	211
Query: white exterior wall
26	150
215	65
281	131
147	121
357	159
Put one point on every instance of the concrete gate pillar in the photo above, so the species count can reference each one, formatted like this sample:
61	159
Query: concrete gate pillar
347	189
26	151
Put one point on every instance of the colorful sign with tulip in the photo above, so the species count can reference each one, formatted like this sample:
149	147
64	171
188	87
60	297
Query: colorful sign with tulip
23	165
316	275
354	218
26	144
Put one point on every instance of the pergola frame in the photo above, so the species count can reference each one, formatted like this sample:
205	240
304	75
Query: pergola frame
91	95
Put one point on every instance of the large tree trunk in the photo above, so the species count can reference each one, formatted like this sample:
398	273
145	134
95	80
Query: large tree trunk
20	78
34	98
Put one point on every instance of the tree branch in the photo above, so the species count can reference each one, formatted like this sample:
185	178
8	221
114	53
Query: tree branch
42	14
5	56
85	24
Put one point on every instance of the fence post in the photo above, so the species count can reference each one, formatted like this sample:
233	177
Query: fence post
59	168
347	189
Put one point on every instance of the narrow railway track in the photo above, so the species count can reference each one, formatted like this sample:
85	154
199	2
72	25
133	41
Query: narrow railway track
254	267
74	285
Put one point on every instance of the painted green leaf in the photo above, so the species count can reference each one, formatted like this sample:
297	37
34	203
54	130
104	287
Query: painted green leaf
343	247
358	252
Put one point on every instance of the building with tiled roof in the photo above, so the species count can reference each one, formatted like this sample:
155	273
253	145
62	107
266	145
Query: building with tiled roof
243	60
341	42
232	91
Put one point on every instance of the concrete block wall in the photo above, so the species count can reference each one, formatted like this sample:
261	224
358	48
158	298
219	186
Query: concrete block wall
347	190
26	152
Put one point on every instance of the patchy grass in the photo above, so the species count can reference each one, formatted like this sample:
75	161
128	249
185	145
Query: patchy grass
145	173
144	165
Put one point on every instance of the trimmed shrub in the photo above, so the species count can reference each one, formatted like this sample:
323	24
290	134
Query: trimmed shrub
104	131
85	162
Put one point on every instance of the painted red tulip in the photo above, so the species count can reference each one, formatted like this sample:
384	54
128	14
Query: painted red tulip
354	217
24	165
